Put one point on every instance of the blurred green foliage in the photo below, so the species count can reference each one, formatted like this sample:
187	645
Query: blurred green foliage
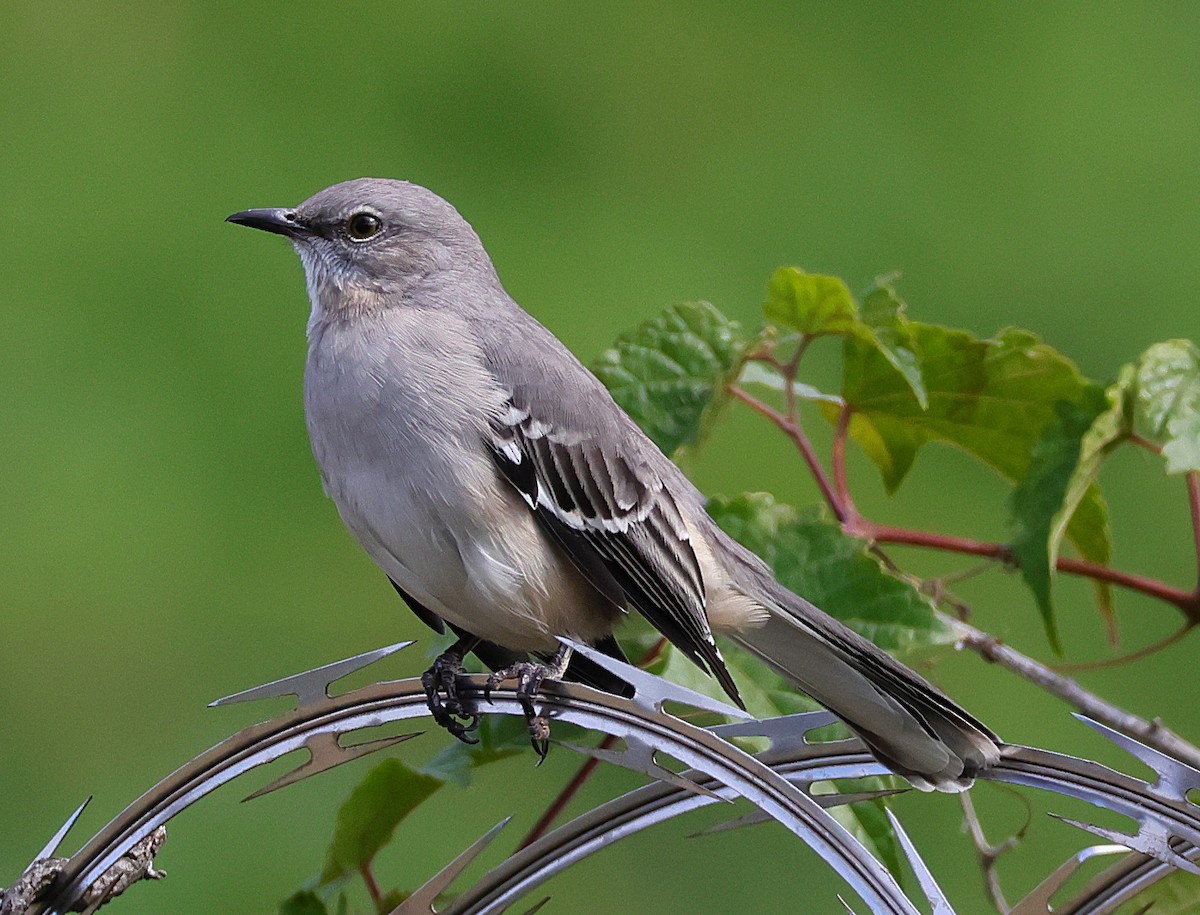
166	538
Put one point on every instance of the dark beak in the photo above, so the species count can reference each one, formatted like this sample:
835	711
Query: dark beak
279	221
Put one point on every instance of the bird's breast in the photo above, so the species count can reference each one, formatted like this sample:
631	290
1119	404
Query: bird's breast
398	422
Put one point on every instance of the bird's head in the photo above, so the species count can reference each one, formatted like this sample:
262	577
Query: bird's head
365	243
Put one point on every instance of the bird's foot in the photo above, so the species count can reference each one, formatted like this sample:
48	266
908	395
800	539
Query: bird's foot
441	694
529	676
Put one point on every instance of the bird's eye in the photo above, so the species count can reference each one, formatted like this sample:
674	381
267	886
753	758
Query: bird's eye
362	226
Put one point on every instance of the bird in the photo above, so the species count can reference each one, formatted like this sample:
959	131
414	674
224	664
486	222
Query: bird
507	496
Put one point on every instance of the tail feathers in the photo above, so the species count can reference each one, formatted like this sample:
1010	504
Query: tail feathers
908	724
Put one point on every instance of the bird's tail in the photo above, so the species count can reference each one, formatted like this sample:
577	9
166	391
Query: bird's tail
908	724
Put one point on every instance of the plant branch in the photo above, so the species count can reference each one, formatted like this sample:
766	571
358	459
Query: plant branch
372	886
796	433
1142	442
571	788
1193	485
565	796
1131	656
1152	733
1187	601
988	853
837	495
840	481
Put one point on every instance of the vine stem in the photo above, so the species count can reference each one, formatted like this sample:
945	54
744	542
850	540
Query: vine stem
571	788
837	497
1193	484
1152	733
566	795
1187	601
840	481
1143	652
989	853
373	890
795	432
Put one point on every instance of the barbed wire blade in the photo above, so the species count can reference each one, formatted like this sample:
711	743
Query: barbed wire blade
1175	777
325	753
311	686
929	886
1151	839
639	756
41	874
1037	902
785	732
57	839
422	899
756	816
1123	880
650	691
537	907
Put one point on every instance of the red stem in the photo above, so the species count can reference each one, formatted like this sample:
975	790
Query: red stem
571	788
372	887
1141	653
839	500
840	482
793	431
1142	442
1187	601
1193	484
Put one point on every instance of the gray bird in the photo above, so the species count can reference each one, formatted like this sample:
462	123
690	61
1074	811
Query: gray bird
505	494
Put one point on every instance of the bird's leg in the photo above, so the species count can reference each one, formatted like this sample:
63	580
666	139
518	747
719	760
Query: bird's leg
529	676
441	691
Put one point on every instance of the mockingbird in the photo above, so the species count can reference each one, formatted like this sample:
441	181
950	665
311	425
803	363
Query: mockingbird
506	495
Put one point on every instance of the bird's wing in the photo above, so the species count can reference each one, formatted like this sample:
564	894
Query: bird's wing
617	521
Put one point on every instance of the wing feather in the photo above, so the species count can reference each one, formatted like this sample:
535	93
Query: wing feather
619	525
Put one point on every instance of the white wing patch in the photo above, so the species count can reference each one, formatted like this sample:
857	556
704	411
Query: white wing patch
621	526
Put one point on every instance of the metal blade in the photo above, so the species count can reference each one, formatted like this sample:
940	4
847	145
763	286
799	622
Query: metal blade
421	901
651	691
312	685
933	892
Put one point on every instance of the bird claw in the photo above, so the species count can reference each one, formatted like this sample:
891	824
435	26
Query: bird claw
529	676
441	694
539	736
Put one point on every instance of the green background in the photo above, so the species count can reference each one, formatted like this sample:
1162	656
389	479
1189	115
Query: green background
165	539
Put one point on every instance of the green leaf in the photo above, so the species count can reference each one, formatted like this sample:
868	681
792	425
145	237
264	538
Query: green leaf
813	557
812	304
1168	395
1091	534
1039	498
768	376
992	398
500	736
1176	894
883	312
868	822
366	821
670	373
305	902
817	305
1108	429
1084	515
